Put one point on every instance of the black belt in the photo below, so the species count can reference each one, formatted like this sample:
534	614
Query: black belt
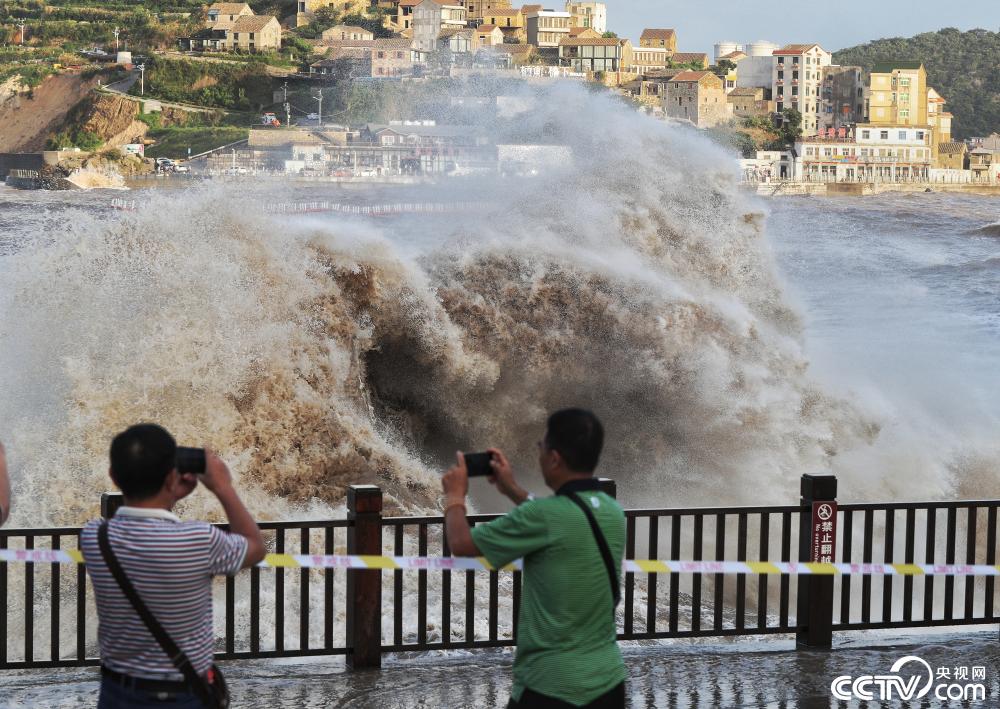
146	685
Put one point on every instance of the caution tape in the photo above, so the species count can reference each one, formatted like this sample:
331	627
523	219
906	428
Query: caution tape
642	566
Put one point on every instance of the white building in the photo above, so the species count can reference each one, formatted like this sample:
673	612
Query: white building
593	15
725	47
756	69
796	81
546	28
872	154
432	16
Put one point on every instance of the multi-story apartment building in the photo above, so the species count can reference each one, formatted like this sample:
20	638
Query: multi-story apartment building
593	15
478	9
510	22
842	94
221	15
391	58
256	33
546	28
870	154
796	78
897	94
699	97
595	54
646	59
347	33
305	10
430	17
662	38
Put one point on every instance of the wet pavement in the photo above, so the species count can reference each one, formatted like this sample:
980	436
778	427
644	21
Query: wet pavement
768	674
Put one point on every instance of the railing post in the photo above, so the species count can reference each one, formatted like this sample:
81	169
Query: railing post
814	616
364	588
608	487
110	502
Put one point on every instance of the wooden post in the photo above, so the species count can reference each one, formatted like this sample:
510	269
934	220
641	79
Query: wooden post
814	616
364	588
110	502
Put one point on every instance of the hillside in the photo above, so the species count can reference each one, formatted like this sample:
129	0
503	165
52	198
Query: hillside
28	119
961	66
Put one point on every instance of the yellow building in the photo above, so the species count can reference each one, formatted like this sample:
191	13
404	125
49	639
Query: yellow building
510	21
897	94
255	33
306	9
663	38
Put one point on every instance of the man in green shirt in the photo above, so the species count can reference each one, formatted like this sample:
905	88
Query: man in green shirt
567	652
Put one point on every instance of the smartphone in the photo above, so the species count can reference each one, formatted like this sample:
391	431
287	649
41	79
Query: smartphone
478	464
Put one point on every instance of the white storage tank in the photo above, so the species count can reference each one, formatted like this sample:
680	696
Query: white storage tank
724	48
761	48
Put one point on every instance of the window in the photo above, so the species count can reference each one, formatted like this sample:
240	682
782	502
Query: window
781	75
883	135
795	60
828	152
795	75
920	135
902	135
866	134
381	55
388	140
795	91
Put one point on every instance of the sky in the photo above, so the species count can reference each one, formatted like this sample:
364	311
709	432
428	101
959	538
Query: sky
834	24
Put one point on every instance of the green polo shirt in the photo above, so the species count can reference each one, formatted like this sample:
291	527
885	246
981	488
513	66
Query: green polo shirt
566	644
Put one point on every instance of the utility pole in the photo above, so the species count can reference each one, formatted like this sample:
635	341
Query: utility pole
285	88
288	113
320	99
22	32
142	78
116	31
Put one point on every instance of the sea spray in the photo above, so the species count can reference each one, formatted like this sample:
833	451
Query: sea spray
317	352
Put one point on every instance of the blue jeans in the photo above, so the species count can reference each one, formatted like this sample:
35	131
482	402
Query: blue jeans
114	696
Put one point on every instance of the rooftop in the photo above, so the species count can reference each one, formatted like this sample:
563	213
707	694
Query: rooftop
228	8
691	76
952	148
653	33
795	49
889	67
486	28
253	23
687	57
588	42
392	43
747	91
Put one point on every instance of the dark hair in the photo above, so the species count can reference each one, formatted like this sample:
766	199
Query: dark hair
578	437
141	459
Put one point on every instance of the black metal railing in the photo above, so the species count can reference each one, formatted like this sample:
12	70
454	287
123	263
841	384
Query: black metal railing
47	616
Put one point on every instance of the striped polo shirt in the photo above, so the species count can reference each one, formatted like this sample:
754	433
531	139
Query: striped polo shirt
171	564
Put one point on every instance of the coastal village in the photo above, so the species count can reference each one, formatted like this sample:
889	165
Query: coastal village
819	123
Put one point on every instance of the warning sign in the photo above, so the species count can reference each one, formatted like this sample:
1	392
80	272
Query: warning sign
824	532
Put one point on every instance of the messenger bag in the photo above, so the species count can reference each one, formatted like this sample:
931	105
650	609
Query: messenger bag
602	544
215	694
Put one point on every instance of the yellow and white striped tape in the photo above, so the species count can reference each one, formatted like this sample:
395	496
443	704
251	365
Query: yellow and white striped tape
643	566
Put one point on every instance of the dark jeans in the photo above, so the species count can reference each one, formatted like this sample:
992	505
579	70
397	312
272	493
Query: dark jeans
114	696
612	699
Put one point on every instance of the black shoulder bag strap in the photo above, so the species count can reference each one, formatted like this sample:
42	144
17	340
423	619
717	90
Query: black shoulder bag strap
602	544
199	686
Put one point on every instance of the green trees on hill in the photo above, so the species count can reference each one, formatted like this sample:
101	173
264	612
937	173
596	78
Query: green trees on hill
234	86
961	66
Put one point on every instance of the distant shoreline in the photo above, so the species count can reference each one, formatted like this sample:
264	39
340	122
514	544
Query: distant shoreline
865	189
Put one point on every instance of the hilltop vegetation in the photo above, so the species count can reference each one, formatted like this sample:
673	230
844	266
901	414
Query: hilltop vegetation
961	66
228	85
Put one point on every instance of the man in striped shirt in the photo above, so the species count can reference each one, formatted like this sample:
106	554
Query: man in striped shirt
169	562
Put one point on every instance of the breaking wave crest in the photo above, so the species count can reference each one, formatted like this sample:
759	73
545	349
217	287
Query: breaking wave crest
317	352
